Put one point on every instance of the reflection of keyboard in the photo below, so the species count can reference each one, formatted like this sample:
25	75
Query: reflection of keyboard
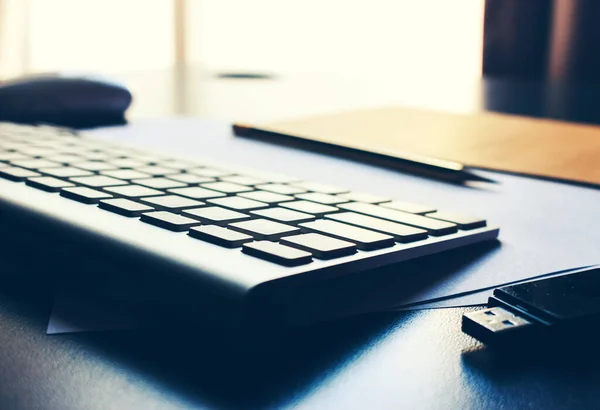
230	228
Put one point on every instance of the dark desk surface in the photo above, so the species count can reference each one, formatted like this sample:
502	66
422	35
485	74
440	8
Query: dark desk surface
389	360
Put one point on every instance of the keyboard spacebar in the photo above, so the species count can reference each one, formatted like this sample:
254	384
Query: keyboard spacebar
363	238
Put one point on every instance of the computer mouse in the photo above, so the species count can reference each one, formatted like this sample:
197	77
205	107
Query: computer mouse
64	100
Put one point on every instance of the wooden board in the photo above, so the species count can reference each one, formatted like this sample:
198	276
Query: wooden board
488	140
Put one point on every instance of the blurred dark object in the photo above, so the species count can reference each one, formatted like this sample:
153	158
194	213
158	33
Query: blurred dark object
542	40
78	102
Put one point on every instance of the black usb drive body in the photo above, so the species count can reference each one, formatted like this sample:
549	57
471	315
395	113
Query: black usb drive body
564	307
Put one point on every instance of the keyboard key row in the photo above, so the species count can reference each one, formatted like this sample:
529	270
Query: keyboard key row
433	226
196	192
309	207
215	215
227	187
363	238
266	197
283	215
243	180
325	199
281	189
159	183
172	203
320	246
191	179
126	174
401	233
133	191
264	229
238	203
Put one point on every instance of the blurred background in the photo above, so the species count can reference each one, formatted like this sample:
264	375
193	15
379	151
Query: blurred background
322	55
180	57
362	37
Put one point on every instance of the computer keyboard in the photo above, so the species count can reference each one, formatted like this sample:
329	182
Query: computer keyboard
228	226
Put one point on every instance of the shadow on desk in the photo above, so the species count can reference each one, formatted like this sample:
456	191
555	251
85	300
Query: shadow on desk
414	357
204	365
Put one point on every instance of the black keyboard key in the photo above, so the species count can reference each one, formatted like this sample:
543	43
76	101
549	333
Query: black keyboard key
170	221
283	215
133	191
238	203
362	197
264	229
98	181
127	174
124	207
172	203
17	174
309	207
36	163
190	179
433	226
196	192
65	172
214	215
267	197
159	183
325	199
83	194
401	233
220	236
281	189
49	184
321	188
321	246
275	252
463	222
408	207
363	238
227	187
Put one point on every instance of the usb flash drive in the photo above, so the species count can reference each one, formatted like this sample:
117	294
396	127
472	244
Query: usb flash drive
548	308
